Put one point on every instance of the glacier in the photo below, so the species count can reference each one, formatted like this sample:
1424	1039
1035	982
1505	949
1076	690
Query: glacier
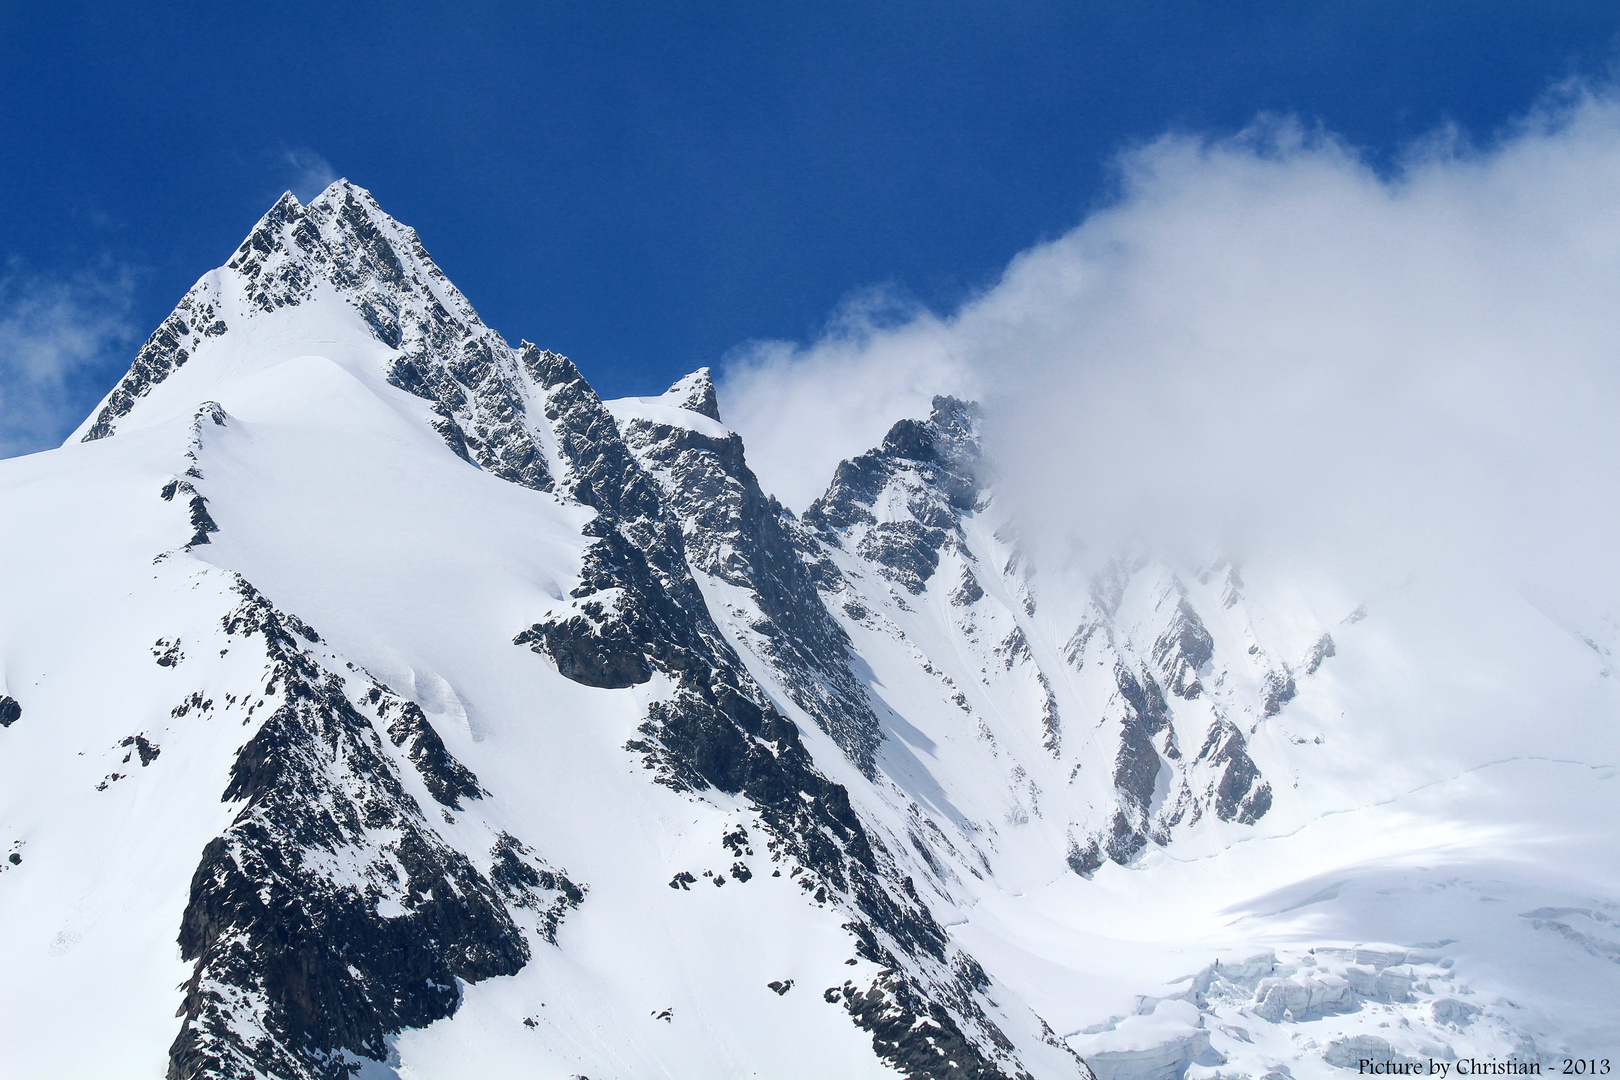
376	700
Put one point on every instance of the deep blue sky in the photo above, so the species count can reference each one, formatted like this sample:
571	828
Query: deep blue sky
644	186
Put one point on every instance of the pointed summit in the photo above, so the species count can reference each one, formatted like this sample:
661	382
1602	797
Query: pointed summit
341	246
340	188
695	392
363	279
285	207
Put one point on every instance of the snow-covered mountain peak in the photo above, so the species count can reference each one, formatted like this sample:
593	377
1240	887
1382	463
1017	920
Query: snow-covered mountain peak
688	405
695	392
341	279
513	647
454	721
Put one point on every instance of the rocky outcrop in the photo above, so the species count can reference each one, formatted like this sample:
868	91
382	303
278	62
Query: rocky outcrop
734	533
695	393
931	468
1240	793
331	913
194	320
448	780
718	729
1182	649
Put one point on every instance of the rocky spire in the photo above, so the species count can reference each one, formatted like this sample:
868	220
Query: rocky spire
695	392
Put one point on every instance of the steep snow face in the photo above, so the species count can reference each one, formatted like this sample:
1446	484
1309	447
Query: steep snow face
377	700
1117	725
387	728
1372	810
308	276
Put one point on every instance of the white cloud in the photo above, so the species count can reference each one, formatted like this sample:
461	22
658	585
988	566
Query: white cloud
58	338
1265	345
311	173
803	409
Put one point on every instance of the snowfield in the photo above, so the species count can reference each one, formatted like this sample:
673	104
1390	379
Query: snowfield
388	705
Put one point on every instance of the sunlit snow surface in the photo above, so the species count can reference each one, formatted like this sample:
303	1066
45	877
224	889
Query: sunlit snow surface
1449	889
337	502
1438	869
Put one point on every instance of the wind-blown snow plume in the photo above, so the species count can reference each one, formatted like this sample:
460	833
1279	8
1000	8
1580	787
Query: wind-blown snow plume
308	173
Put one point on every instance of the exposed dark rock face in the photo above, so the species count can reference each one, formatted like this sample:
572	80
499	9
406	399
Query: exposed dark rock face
10	711
1240	793
448	780
301	970
1051	723
919	1037
1320	651
202	524
718	729
734	533
1183	648
935	463
526	881
1276	690
590	648
696	392
194	320
446	353
142	746
1137	762
601	471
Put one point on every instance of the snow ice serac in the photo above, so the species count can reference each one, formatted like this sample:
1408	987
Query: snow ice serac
456	722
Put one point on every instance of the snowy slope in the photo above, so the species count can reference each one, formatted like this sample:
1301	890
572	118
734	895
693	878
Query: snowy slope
378	701
361	684
1151	784
1243	768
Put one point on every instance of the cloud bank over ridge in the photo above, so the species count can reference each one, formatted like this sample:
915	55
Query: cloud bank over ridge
1266	345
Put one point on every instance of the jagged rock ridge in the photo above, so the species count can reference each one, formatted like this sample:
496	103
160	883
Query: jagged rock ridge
312	940
879	688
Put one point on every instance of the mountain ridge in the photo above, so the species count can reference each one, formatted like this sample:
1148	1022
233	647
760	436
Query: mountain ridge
534	658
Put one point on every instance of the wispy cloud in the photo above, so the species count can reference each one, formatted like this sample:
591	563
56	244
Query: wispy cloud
1267	344
59	336
309	172
802	409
